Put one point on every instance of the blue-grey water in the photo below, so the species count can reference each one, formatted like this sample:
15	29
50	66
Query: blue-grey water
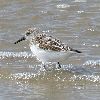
76	23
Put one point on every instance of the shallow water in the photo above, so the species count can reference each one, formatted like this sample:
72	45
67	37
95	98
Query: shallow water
75	22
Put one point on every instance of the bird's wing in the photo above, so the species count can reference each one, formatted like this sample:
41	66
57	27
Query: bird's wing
49	43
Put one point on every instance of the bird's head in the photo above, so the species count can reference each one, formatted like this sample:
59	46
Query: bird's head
31	32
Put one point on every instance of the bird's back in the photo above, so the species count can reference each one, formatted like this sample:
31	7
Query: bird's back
47	42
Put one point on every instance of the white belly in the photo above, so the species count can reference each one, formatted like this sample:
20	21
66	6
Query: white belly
49	56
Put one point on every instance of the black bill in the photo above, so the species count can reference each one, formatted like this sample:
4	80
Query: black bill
23	38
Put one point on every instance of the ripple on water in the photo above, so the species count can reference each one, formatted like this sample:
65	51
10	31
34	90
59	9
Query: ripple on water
80	1
68	72
92	63
15	54
63	6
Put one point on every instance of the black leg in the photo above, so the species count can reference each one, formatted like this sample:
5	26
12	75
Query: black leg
59	66
44	67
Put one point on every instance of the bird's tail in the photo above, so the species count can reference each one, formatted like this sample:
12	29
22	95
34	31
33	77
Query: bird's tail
74	50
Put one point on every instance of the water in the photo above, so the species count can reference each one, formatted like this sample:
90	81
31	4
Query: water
75	22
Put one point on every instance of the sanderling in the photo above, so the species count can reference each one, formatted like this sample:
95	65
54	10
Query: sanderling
46	48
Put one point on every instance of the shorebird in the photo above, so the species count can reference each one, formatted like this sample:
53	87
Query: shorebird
46	48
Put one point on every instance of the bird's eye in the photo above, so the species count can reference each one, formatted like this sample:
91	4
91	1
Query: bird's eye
28	33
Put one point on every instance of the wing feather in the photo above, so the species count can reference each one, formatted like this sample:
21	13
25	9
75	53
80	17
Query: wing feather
49	43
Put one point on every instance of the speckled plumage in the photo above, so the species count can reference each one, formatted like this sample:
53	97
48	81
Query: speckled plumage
45	47
47	42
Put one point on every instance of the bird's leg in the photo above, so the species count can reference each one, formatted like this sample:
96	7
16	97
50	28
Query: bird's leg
59	66
44	66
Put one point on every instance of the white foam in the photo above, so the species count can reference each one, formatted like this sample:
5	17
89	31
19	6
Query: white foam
63	6
80	1
92	62
4	54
